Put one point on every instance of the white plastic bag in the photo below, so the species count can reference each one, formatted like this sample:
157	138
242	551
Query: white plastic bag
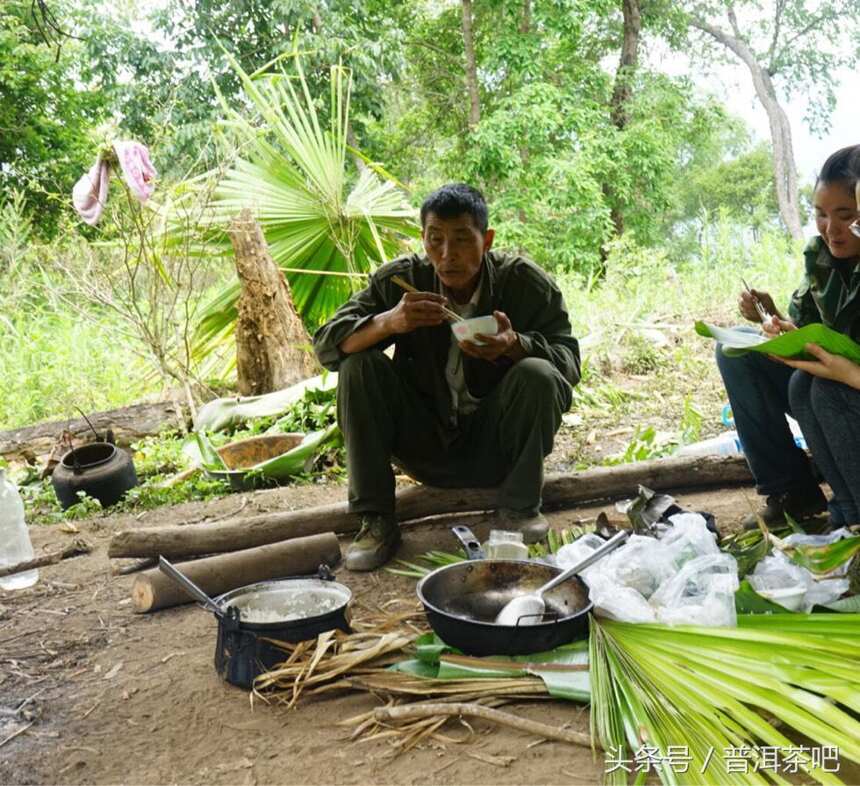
683	578
701	593
793	587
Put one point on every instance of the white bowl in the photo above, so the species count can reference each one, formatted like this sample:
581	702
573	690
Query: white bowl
790	598
467	329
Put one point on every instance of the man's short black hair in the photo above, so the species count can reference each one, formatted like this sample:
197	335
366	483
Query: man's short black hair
843	166
455	199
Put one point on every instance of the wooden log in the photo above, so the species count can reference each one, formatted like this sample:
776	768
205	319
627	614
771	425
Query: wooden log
129	424
272	344
74	549
671	474
214	575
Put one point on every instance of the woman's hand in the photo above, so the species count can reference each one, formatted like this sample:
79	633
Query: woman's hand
827	366
505	342
776	325
746	304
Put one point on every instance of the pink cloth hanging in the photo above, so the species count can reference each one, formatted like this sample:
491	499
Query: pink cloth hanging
91	191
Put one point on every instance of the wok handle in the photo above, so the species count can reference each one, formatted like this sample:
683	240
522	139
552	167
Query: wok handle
613	543
470	543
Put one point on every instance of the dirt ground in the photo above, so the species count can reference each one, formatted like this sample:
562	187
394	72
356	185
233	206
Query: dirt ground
115	697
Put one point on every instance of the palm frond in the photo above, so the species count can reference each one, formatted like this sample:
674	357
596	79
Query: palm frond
293	173
710	691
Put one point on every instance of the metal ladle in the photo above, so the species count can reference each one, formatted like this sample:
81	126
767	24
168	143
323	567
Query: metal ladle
190	587
529	609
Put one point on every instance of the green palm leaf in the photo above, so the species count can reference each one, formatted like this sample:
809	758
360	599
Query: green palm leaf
711	690
292	172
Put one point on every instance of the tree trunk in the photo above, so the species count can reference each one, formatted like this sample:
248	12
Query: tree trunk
215	575
272	345
623	90
471	67
784	168
421	501
526	18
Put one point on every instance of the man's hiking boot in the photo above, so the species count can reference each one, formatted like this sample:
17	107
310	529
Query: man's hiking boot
801	505
532	524
375	543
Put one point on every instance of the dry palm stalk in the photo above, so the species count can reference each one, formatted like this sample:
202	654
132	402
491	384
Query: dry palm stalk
331	656
358	661
438	709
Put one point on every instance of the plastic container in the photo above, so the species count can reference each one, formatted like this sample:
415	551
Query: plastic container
726	444
506	545
15	545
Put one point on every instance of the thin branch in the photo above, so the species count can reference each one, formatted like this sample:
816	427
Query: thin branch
436	709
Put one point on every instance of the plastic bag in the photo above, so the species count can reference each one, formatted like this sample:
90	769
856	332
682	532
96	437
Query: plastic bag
792	586
688	539
567	556
617	602
701	593
681	579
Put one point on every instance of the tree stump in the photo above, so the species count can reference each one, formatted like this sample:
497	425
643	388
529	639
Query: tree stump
273	349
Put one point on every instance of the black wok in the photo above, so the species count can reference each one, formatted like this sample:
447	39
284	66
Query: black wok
462	601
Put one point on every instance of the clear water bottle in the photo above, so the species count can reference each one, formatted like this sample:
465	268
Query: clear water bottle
15	543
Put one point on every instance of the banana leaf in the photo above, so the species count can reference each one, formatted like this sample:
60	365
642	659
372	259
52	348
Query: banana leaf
282	467
822	559
436	660
224	413
788	345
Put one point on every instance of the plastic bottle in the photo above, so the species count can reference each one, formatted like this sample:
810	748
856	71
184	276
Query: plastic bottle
15	545
729	420
726	444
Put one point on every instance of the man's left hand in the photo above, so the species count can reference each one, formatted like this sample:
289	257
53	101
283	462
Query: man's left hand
505	342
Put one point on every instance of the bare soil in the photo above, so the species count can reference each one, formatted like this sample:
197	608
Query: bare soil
115	697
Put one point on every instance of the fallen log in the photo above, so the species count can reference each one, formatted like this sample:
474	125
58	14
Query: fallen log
153	590
672	474
129	424
74	549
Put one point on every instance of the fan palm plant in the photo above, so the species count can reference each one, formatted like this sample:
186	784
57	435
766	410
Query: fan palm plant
324	228
703	696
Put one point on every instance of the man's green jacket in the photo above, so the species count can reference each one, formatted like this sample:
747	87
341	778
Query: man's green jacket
830	292
509	283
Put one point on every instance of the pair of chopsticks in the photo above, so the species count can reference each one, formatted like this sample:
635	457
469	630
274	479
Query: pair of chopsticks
763	313
452	315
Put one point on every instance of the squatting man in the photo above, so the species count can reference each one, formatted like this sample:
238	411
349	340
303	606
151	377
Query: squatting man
479	413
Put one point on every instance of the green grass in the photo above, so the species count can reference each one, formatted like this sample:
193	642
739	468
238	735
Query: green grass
631	379
53	361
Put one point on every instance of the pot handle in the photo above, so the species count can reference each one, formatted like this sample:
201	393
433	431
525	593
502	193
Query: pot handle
469	541
323	573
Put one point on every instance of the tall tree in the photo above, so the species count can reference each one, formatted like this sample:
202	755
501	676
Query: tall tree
46	111
788	47
623	89
471	66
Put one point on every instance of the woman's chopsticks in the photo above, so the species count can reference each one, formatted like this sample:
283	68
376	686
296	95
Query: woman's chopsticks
452	315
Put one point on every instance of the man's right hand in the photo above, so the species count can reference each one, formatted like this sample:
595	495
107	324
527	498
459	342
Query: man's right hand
415	310
746	304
